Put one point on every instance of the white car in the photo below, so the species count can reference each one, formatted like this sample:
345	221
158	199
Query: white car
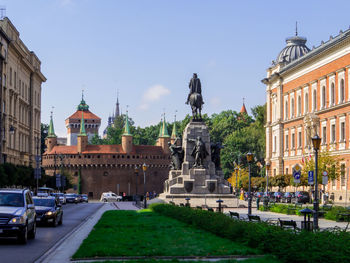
110	197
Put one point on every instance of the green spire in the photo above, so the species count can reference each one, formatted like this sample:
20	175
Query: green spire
83	106
164	129
51	131
82	125
174	132
160	128
126	127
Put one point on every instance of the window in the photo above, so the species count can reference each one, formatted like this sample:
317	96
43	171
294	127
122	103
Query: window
287	142
315	100
15	79
342	174
292	113
333	133
332	94
286	110
299	105
342	91
342	131
293	140
306	102
299	139
286	170
324	135
10	76
274	143
323	96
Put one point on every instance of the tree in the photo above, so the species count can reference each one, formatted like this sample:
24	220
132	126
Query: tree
326	162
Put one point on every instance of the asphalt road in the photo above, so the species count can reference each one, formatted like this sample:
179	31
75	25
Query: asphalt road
46	236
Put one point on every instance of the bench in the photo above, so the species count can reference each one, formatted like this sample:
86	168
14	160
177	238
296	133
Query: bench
288	224
291	210
253	218
198	207
172	203
234	215
210	209
181	204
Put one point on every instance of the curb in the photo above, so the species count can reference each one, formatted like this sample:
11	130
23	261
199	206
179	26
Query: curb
72	232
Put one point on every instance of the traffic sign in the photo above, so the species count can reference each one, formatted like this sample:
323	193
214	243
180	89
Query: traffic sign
310	177
324	177
296	173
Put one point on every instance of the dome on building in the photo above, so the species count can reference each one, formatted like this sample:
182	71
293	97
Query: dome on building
295	49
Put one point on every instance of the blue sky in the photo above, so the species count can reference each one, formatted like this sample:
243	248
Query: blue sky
148	50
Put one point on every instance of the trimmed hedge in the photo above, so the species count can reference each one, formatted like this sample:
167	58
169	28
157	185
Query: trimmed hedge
269	239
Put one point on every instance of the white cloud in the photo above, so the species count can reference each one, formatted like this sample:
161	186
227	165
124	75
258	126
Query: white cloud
152	94
215	101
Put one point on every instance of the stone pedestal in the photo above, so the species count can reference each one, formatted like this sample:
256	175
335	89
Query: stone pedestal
200	184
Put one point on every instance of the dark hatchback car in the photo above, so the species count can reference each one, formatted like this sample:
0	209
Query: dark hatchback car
72	198
48	210
302	197
17	214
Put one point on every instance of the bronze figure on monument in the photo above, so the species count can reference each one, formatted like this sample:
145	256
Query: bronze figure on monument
195	98
199	152
177	155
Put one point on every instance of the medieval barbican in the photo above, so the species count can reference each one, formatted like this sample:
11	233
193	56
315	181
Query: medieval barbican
307	92
101	168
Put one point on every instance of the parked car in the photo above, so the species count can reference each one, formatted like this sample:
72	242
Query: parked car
84	198
17	214
288	197
48	210
110	197
72	198
278	196
61	197
271	196
302	197
259	195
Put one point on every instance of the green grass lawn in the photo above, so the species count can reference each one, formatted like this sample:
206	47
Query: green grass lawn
145	233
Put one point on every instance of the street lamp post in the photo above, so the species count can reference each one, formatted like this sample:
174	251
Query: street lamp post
136	181
316	141
237	189
144	168
268	165
249	159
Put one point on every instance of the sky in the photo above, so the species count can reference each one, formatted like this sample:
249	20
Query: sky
148	50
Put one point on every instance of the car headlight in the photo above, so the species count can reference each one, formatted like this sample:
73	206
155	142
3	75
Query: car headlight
18	220
49	213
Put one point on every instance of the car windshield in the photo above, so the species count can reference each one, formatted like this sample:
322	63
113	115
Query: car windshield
44	202
11	199
70	195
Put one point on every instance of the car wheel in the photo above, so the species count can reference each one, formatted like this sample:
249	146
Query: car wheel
61	221
23	237
32	233
54	222
105	200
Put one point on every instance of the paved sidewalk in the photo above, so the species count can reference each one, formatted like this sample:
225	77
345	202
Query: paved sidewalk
64	251
264	215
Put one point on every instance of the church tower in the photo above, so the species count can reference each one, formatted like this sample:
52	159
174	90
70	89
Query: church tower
164	137
92	123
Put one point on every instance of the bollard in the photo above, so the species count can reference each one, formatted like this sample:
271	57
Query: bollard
219	201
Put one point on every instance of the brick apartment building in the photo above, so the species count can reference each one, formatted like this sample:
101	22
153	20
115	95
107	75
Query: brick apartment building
307	92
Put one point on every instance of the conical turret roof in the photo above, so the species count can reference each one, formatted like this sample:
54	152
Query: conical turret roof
127	126
51	131
82	126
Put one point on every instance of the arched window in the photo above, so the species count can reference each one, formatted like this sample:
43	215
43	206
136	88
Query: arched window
323	96
342	91
292	113
299	105
306	102
332	94
315	100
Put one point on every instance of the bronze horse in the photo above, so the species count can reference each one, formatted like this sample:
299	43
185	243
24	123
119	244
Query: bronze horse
196	102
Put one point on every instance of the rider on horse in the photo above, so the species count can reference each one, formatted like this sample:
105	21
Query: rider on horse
195	86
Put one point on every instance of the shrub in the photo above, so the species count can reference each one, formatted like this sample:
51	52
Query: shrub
285	244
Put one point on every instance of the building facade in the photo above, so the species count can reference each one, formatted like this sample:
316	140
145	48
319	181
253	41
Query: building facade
20	95
92	123
95	169
308	93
